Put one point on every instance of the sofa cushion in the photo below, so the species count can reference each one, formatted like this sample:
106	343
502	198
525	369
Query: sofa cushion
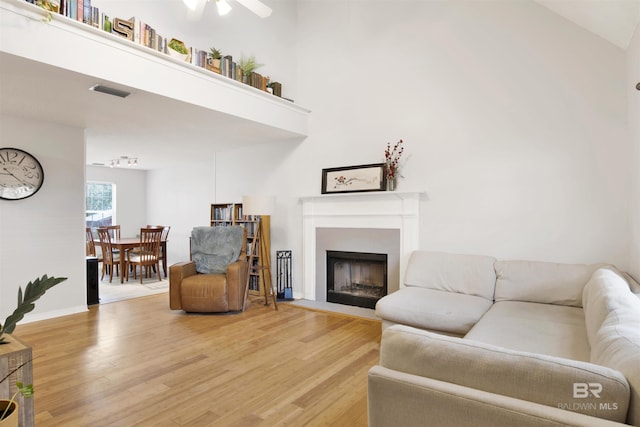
204	293
544	282
464	274
532	377
554	330
616	344
431	309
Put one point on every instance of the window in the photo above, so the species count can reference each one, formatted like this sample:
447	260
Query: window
101	201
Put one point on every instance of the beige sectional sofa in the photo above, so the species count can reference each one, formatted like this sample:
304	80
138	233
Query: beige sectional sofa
473	341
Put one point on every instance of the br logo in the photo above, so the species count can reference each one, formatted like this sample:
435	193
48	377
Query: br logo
584	390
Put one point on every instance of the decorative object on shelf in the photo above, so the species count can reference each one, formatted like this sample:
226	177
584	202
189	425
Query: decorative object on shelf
391	167
177	49
260	206
276	88
248	66
22	175
353	179
50	5
123	27
32	292
214	60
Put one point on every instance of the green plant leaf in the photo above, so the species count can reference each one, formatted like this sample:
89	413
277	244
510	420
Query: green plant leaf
26	390
32	292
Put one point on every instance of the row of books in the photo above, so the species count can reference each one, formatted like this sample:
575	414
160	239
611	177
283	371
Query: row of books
223	213
140	32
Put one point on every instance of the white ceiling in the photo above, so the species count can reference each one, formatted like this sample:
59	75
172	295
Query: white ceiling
613	20
146	130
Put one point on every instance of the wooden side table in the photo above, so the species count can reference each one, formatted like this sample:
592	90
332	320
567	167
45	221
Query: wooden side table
12	355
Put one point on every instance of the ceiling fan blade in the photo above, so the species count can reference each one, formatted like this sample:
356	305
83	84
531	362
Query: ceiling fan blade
257	7
195	9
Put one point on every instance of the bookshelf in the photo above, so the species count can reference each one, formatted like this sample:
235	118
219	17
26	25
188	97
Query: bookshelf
228	214
74	48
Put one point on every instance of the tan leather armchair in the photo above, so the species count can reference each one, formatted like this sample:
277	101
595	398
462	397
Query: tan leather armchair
192	285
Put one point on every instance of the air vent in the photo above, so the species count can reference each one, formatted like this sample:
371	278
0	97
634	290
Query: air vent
110	91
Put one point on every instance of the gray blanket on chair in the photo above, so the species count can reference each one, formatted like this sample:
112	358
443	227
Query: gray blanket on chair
213	248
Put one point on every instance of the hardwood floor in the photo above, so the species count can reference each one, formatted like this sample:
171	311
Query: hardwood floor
137	363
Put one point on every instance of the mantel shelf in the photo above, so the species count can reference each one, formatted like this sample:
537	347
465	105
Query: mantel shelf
79	48
367	194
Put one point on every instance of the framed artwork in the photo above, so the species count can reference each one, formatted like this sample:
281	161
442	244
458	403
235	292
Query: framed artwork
351	179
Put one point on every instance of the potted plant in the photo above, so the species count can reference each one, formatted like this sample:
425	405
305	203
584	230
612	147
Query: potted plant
248	65
26	303
177	49
9	413
216	56
32	292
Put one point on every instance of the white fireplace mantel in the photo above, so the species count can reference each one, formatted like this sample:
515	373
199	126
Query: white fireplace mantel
375	210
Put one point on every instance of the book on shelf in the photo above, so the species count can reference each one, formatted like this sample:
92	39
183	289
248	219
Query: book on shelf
142	33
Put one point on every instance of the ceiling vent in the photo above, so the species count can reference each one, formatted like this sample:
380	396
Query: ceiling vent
109	91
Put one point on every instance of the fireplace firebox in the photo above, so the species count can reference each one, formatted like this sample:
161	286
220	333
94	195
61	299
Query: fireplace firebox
356	278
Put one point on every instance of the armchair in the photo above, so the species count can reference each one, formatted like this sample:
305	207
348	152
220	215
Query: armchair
215	278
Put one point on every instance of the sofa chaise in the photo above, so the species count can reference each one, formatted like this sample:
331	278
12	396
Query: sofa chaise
473	341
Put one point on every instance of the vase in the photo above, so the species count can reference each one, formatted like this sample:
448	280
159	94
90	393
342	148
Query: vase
391	184
11	420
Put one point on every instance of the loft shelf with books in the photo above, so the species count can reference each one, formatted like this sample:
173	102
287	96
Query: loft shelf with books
30	33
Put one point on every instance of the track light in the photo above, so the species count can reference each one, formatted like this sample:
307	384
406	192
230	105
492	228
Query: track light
223	7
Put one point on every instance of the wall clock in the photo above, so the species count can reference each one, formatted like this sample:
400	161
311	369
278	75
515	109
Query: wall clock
21	174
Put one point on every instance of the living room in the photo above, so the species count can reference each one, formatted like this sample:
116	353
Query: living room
521	129
524	142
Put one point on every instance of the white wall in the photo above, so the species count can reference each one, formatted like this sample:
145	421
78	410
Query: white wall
633	78
44	234
514	122
181	197
131	196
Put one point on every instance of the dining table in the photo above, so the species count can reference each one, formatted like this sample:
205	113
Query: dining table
126	243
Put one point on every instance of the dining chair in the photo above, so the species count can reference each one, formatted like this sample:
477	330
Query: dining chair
165	236
147	254
91	245
114	231
110	259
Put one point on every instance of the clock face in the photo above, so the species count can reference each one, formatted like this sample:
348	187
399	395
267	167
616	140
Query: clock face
21	174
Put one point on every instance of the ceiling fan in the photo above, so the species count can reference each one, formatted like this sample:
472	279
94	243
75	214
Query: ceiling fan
196	7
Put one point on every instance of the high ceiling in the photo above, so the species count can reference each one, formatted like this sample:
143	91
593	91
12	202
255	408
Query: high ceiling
145	130
613	20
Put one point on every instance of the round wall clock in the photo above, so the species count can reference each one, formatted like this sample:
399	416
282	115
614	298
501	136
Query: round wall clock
21	174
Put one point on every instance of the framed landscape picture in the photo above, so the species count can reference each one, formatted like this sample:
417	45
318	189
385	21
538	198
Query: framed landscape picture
350	179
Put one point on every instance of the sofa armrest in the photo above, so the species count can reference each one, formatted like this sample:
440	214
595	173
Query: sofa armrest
178	272
236	283
400	399
546	380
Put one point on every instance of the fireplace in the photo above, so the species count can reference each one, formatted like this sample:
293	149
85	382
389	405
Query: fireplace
356	278
376	221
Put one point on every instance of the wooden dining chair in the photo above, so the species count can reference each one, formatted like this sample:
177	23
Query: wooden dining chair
110	259
91	245
147	254
165	236
114	231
